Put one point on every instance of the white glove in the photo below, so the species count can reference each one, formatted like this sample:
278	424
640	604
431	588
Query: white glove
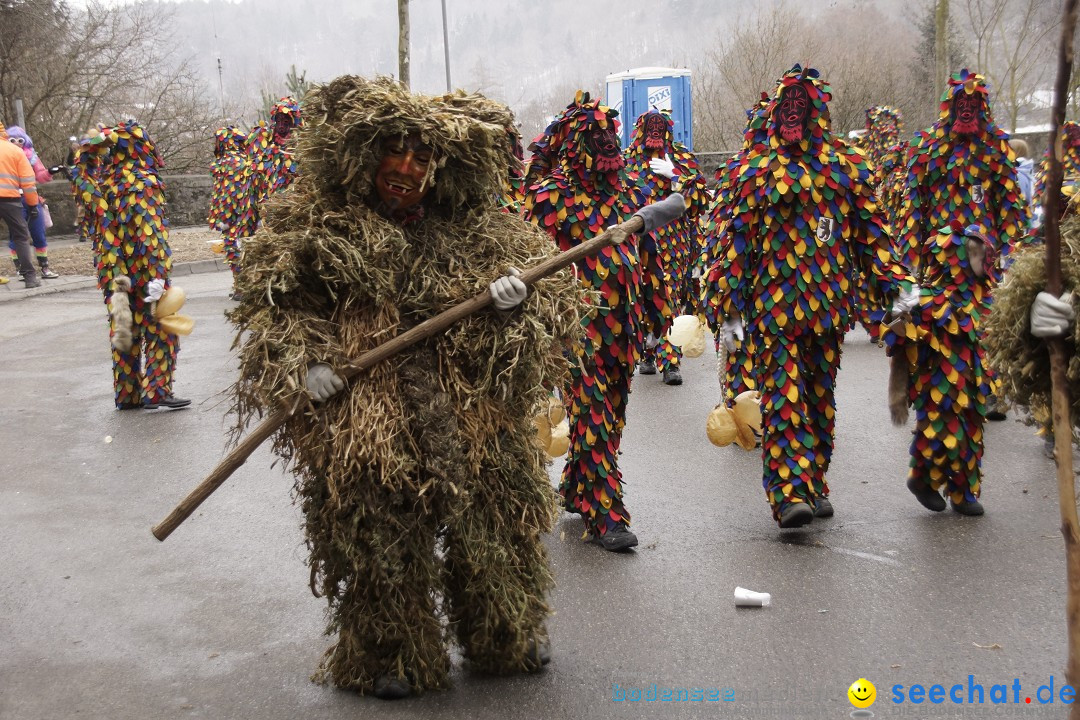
154	290
1051	316
907	300
322	382
508	291
663	166
731	331
651	341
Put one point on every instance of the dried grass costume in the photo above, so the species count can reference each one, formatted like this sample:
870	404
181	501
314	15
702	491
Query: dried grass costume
423	489
573	203
804	224
678	244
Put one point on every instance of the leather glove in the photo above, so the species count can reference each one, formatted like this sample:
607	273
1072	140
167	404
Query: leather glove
322	383
730	331
1051	316
907	300
508	291
663	166
32	212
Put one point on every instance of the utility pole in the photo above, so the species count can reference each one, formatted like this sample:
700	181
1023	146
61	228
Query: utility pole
446	46
941	46
403	42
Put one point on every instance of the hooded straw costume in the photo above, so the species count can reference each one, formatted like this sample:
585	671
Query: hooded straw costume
231	211
804	224
586	191
938	359
677	244
423	488
132	256
962	170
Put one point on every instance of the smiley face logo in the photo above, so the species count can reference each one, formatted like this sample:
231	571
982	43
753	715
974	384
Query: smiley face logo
862	693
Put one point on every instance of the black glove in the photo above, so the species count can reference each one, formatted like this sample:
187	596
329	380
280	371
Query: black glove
32	213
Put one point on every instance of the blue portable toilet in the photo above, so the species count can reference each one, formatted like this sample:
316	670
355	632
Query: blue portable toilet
635	92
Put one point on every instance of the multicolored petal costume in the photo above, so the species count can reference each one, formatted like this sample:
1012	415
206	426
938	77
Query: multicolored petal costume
271	150
1070	134
962	177
804	224
677	244
583	193
948	381
133	242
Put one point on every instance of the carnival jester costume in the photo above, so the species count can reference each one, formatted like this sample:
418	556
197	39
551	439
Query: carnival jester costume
660	165
939	368
231	211
1070	163
804	224
271	151
132	254
962	170
423	489
586	191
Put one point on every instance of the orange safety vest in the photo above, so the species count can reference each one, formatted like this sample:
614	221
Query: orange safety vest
16	175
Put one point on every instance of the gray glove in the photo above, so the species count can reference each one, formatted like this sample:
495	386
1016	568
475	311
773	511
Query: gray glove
1051	316
731	331
508	291
322	383
661	213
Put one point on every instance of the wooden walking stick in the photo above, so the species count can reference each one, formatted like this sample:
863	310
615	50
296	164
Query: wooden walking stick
1070	526
665	210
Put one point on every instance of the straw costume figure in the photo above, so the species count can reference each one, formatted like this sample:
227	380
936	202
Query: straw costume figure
804	224
133	263
423	489
661	165
586	191
231	212
939	368
962	170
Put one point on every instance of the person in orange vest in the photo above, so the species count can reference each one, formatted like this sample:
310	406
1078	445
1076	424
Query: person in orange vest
17	186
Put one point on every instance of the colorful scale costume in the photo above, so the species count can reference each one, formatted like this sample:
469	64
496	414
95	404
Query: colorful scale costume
966	177
585	192
86	182
133	241
423	488
879	143
270	148
677	244
739	375
804	224
948	382
1070	163
231	211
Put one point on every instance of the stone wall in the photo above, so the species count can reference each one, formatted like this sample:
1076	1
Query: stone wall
187	199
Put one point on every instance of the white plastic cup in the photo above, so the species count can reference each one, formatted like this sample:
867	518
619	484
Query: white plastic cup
749	598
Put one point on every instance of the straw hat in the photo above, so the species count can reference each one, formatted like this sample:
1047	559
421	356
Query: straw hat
543	429
688	334
556	412
560	439
169	302
177	324
747	412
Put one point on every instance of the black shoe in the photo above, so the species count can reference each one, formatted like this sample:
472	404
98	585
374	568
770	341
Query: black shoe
617	539
796	515
973	508
169	401
646	367
672	376
927	496
824	508
391	688
995	415
31	281
537	656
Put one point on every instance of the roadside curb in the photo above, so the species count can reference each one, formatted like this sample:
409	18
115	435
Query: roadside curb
14	289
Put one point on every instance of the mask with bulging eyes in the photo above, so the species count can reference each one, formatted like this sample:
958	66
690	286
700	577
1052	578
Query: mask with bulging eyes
966	109
655	130
603	145
283	127
794	111
400	179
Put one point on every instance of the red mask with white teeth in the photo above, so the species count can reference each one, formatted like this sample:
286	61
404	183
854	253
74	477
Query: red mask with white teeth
400	179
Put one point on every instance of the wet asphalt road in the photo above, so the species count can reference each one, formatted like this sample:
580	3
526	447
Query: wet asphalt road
99	620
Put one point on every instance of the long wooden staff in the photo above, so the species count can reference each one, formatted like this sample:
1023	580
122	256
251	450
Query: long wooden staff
426	329
1070	526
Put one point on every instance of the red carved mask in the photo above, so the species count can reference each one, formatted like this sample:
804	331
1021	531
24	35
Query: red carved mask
794	111
399	179
655	130
603	145
966	109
